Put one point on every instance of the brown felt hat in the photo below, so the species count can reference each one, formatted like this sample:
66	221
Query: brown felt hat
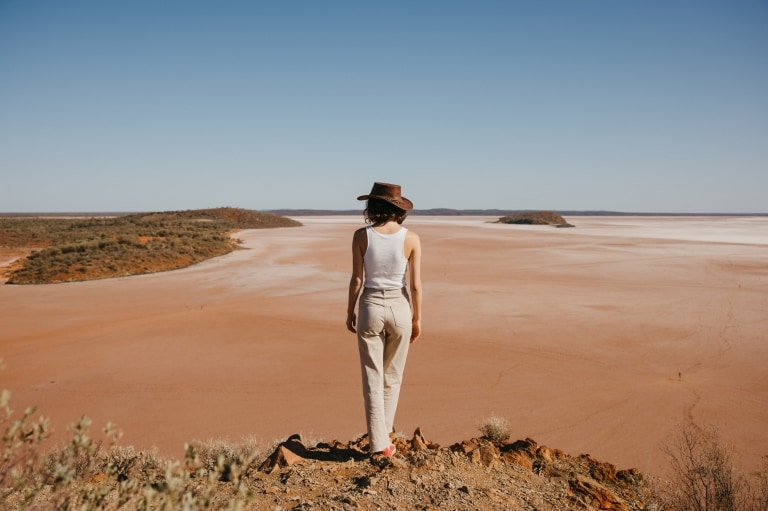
389	193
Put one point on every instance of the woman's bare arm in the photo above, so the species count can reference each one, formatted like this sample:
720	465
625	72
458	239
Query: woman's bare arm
359	245
413	248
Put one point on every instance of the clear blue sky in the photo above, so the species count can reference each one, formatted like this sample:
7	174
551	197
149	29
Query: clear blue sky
627	105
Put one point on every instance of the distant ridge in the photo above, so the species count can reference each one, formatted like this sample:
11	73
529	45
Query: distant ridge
491	212
358	212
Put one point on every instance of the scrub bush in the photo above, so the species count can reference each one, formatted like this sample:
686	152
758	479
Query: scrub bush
705	477
494	428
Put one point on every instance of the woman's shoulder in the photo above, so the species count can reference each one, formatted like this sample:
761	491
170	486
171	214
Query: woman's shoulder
360	234
412	239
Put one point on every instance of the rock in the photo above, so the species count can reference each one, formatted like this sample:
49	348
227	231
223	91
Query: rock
478	450
489	454
419	443
466	446
601	472
596	495
288	453
528	445
630	476
519	458
296	445
545	453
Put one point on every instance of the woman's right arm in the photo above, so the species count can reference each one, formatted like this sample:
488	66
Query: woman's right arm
359	244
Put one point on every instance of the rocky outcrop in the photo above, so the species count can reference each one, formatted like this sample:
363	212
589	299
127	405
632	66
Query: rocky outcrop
535	218
473	474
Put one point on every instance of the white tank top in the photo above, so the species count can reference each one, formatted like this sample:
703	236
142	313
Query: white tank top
384	261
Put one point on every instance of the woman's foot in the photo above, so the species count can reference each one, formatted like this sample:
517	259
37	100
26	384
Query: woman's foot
383	458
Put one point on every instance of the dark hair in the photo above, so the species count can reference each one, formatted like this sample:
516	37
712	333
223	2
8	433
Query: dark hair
379	212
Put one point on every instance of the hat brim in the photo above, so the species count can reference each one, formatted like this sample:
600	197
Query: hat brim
402	203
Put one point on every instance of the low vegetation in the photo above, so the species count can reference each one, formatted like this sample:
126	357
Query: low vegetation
495	428
535	218
482	473
74	249
705	477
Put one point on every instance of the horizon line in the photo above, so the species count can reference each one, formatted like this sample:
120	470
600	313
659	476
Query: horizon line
415	212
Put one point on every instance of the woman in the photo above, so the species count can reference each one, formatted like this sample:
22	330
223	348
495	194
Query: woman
389	319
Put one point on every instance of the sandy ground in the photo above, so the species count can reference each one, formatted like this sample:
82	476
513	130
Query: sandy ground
598	339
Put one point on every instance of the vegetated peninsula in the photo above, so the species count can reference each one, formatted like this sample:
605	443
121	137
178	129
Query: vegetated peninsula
76	249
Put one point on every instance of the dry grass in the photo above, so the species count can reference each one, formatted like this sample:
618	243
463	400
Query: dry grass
494	428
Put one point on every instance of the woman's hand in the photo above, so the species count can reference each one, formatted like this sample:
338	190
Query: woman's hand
415	330
351	322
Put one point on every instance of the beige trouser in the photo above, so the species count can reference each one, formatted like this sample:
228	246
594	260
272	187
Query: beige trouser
383	337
